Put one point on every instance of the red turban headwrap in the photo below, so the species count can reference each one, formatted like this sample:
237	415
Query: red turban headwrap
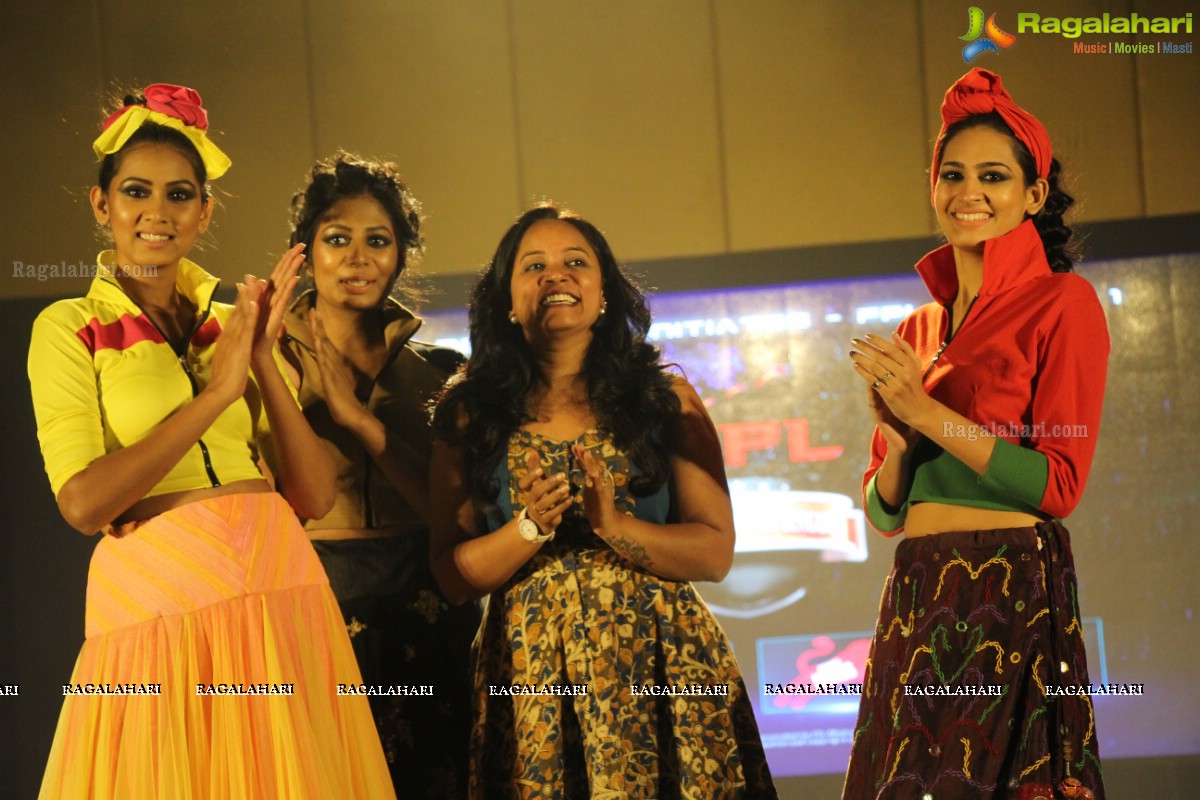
980	92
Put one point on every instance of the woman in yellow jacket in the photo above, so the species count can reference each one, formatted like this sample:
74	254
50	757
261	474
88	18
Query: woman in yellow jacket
213	645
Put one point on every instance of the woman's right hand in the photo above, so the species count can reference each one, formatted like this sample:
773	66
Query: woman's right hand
546	498
467	562
231	360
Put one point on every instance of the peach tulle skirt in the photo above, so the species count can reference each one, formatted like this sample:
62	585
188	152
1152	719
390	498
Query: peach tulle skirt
224	593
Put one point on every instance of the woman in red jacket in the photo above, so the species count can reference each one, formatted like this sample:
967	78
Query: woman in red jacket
987	403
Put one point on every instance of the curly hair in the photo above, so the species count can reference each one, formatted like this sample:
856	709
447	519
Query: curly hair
344	176
1062	251
628	387
152	133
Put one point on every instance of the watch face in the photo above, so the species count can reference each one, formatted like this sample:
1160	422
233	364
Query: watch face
528	529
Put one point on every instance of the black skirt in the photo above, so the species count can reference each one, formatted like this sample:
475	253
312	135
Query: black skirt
969	690
406	635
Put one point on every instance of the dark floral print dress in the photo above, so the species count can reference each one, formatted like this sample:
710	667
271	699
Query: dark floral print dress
649	703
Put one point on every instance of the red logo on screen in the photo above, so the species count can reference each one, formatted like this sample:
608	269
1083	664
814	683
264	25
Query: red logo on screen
743	438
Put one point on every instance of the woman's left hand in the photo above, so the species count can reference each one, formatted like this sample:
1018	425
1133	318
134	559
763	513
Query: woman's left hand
599	491
337	376
273	297
893	370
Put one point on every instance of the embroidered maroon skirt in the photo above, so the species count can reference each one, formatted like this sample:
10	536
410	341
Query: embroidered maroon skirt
965	694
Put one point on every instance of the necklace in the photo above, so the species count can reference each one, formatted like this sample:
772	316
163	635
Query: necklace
951	332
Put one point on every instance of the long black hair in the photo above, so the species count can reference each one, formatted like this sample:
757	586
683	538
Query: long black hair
628	388
1062	251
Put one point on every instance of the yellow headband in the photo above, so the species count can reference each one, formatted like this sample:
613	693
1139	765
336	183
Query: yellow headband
133	117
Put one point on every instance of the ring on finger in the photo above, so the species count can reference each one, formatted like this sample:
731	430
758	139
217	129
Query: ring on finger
875	385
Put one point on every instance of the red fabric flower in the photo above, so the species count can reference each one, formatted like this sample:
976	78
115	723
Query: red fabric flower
177	101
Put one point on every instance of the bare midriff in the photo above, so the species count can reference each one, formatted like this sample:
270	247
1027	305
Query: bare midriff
149	507
924	519
357	533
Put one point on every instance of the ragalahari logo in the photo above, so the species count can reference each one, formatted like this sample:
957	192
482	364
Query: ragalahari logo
991	38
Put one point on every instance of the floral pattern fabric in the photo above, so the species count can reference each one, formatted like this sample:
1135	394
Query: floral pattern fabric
665	713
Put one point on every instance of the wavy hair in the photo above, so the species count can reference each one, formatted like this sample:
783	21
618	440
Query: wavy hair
343	176
1062	250
628	387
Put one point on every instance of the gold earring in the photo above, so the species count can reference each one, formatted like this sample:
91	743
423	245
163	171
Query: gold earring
512	317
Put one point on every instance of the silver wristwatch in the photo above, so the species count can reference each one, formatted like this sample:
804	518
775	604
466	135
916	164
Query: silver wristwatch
529	529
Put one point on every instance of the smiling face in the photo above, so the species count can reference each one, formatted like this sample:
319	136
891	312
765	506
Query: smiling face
556	281
355	258
980	192
153	207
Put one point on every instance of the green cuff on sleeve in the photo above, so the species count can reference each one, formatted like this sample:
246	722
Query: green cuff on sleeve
1017	472
885	518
